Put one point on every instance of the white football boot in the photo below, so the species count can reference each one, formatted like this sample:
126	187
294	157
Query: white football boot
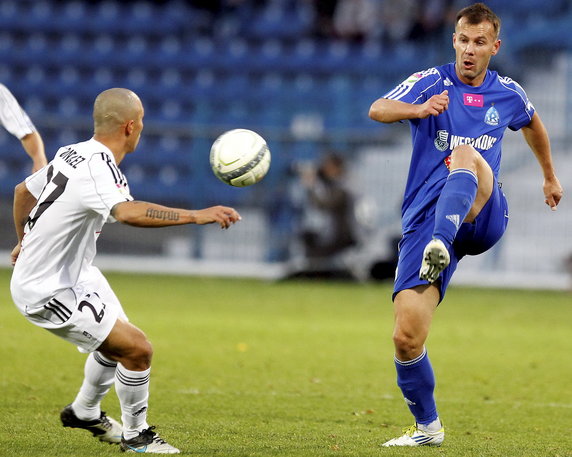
105	428
148	442
435	259
415	436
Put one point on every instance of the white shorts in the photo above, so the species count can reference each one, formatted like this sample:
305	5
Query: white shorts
83	315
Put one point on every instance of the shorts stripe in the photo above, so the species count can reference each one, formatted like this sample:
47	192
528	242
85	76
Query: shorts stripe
106	363
61	306
59	309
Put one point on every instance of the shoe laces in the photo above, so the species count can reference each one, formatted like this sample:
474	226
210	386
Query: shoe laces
153	435
409	431
104	420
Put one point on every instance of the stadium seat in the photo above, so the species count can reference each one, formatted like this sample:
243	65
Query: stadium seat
5	74
10	19
167	53
280	22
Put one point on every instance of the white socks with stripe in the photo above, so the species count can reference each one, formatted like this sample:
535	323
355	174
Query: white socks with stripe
99	373
132	388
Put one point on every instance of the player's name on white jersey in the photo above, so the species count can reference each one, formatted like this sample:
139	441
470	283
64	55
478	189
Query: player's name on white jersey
71	157
483	142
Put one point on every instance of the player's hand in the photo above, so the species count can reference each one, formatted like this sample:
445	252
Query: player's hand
552	192
436	105
221	215
15	253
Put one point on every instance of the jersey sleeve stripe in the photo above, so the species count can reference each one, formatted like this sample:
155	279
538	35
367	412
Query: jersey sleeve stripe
118	172
426	89
114	171
16	121
118	178
396	93
505	83
405	87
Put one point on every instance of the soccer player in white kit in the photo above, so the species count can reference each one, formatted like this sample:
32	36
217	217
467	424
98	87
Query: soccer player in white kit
17	122
59	213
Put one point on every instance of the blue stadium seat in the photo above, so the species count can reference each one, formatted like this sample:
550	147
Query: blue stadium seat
10	18
303	55
203	86
204	112
39	15
279	22
75	11
198	55
6	74
168	52
107	14
238	56
7	46
102	78
171	110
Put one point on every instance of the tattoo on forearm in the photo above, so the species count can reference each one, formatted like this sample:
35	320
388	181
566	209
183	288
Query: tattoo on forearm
163	215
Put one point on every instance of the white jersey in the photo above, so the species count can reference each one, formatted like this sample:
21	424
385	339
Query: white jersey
12	116
76	192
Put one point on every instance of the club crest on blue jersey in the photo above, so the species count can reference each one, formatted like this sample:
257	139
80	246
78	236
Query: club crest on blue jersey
442	140
492	116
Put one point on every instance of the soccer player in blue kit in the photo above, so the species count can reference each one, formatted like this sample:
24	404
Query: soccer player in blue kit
453	204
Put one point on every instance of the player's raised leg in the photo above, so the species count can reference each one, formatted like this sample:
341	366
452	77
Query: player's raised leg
414	310
130	348
468	188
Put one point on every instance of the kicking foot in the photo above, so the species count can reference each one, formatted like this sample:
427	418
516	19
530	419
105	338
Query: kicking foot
105	428
435	260
148	442
413	436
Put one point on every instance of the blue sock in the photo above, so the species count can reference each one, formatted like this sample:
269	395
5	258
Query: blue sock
416	380
455	201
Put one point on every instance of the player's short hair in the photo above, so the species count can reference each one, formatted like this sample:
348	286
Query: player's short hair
477	13
113	107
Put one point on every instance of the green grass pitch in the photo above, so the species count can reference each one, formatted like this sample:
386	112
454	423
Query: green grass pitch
254	368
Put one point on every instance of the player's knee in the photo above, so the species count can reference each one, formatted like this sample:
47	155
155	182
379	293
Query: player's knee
139	354
464	156
143	354
407	345
146	352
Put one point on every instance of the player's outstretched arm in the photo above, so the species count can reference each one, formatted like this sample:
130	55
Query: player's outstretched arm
145	214
387	111
24	202
34	147
536	136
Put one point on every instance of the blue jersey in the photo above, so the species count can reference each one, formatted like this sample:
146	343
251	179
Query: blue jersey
476	115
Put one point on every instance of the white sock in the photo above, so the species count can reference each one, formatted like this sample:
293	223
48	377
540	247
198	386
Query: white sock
434	426
132	388
99	374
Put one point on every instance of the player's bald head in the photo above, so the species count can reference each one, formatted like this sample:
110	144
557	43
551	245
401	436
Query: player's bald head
114	107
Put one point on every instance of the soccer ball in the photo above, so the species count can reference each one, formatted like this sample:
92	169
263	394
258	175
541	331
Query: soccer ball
240	157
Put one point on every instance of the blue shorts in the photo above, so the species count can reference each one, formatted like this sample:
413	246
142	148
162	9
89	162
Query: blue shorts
472	239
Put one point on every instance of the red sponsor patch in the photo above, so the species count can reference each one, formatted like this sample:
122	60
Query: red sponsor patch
474	100
447	161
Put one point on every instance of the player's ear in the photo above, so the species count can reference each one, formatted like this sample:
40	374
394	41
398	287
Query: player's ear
496	47
129	127
454	39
